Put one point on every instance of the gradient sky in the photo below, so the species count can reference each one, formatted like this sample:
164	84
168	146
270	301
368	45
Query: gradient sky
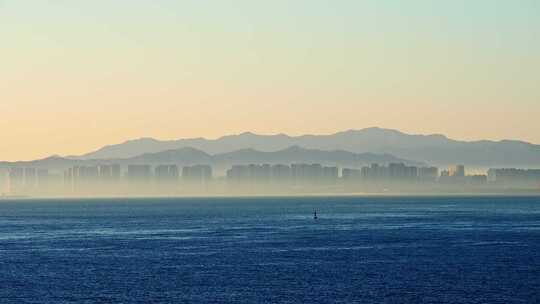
76	75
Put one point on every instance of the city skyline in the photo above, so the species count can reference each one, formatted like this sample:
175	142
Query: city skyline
76	76
269	151
366	145
260	178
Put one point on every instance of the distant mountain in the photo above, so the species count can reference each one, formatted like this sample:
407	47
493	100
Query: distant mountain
222	161
434	149
296	154
185	156
49	162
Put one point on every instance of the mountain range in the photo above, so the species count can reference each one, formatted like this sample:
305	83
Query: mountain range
222	161
434	149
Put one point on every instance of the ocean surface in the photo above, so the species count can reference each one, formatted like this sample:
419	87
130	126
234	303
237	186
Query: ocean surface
271	250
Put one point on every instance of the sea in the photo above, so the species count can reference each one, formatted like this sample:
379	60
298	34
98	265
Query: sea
360	249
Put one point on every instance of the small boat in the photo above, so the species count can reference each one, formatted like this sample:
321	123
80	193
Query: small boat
315	217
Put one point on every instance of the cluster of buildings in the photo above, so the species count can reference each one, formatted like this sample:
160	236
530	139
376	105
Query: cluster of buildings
23	180
92	174
135	174
375	173
392	172
107	177
513	177
281	172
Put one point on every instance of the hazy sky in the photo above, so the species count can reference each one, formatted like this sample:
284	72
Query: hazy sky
76	75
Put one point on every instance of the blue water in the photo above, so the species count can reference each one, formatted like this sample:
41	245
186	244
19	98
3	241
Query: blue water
270	250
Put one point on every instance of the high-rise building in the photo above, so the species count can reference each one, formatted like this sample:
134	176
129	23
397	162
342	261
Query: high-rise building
16	180
457	171
166	173
116	172
30	179
197	173
428	174
514	176
401	172
351	174
139	173
88	174
478	179
375	172
68	179
105	173
238	173
330	173
4	181
43	179
280	172
161	172
307	172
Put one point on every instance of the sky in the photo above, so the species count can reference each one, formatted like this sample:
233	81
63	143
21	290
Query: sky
77	75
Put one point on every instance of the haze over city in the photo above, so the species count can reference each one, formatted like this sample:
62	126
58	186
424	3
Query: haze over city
371	160
78	75
270	151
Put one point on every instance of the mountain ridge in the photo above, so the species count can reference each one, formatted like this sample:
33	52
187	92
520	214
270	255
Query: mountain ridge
191	156
436	149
